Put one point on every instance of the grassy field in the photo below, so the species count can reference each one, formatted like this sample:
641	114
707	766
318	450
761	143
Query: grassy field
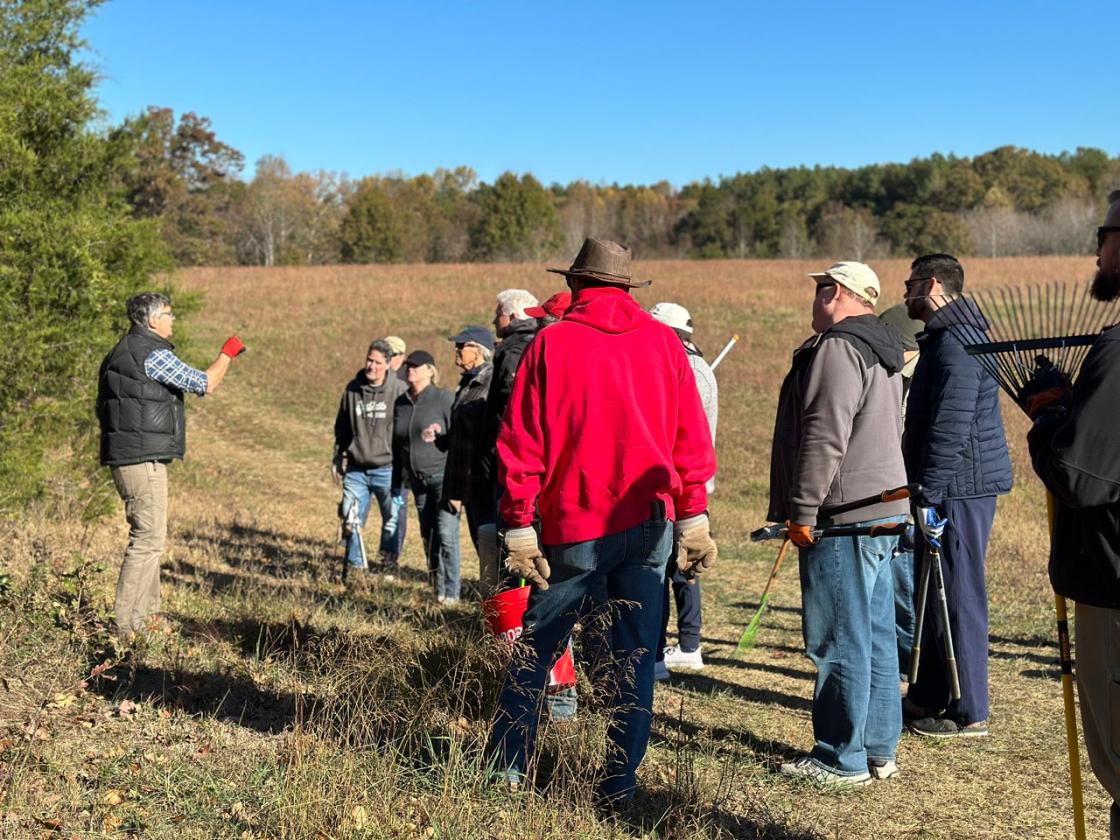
278	705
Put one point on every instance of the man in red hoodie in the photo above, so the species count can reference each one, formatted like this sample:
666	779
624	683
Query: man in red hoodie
606	440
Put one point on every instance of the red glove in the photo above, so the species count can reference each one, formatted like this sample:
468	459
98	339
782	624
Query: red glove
800	535
233	347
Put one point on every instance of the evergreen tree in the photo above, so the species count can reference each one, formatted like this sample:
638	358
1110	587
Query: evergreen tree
70	251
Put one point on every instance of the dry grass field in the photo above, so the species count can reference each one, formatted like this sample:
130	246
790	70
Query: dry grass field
278	705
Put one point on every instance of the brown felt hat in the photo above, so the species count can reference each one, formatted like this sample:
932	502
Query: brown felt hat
601	259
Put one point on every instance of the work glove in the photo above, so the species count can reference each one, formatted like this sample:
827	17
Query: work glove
524	557
800	535
696	550
1048	390
932	524
233	347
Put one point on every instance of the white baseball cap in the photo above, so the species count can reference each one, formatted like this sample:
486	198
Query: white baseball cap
853	276
673	315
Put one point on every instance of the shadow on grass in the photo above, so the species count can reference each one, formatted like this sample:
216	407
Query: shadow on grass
218	694
795	673
699	683
662	814
768	753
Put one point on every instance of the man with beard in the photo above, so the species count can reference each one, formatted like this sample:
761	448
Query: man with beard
955	448
1073	447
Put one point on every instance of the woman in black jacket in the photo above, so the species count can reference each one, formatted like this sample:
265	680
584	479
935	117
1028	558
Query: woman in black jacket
463	489
420	415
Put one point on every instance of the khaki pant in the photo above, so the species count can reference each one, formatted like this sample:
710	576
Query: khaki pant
1098	688
143	488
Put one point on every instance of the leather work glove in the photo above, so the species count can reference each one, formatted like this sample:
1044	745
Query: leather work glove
932	524
800	535
524	557
233	347
1048	390
696	550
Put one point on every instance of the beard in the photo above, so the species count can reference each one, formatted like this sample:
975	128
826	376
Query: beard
1106	285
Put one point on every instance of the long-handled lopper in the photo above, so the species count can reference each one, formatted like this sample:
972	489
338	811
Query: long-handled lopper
746	641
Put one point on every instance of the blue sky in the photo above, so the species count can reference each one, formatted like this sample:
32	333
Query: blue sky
628	92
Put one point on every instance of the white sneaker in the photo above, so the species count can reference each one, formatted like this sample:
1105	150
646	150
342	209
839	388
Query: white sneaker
660	672
882	768
677	659
806	768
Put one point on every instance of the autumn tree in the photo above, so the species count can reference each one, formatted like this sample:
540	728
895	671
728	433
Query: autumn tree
183	176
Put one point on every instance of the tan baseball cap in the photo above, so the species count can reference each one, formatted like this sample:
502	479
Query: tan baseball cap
853	276
396	343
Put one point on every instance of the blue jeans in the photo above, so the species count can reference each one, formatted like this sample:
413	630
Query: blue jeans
631	567
439	531
361	487
848	622
905	617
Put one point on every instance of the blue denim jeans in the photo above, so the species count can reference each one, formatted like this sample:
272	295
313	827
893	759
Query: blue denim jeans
848	621
361	487
630	566
439	531
905	615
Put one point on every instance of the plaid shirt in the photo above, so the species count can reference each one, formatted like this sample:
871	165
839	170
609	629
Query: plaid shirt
168	369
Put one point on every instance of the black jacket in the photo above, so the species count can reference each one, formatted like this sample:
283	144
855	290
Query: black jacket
411	454
1077	456
507	358
141	419
363	428
954	444
462	438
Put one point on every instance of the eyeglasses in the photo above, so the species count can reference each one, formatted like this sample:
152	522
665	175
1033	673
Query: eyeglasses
166	314
916	281
1103	231
820	286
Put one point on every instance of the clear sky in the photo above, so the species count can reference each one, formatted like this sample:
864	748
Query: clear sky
632	92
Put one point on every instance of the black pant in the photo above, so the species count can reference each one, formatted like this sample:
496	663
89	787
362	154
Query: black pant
687	597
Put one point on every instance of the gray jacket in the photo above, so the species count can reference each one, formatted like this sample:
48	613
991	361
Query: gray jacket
709	394
838	433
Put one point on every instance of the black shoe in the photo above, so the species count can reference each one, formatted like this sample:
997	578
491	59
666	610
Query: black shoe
942	727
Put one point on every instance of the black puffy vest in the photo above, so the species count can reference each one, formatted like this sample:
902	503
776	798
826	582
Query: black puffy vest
141	419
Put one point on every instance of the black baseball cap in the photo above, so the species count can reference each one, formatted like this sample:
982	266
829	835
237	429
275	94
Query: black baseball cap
420	357
474	334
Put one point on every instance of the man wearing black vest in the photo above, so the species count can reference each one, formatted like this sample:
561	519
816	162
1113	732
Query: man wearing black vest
143	428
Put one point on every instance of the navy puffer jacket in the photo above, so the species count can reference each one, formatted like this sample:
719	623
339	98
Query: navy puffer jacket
954	444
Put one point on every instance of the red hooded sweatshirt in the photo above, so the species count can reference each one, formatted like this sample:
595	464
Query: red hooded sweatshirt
604	419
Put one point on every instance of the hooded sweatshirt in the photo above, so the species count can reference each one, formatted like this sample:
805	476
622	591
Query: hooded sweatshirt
838	433
363	428
604	420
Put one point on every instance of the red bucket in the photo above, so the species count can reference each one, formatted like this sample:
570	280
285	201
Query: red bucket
503	614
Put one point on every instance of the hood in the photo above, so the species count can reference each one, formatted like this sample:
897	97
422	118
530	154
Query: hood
607	309
878	342
521	325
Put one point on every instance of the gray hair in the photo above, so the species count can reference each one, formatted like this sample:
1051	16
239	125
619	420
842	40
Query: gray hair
514	302
486	353
146	305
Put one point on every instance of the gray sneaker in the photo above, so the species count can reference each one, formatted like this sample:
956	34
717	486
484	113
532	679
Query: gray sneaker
882	768
806	768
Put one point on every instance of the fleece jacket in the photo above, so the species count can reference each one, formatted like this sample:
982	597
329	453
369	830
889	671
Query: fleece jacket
604	420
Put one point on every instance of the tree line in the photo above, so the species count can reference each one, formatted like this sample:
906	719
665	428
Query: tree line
1008	201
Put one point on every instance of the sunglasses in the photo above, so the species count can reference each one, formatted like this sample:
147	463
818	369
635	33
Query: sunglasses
1103	231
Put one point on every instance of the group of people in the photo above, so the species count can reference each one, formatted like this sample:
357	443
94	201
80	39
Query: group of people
583	445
